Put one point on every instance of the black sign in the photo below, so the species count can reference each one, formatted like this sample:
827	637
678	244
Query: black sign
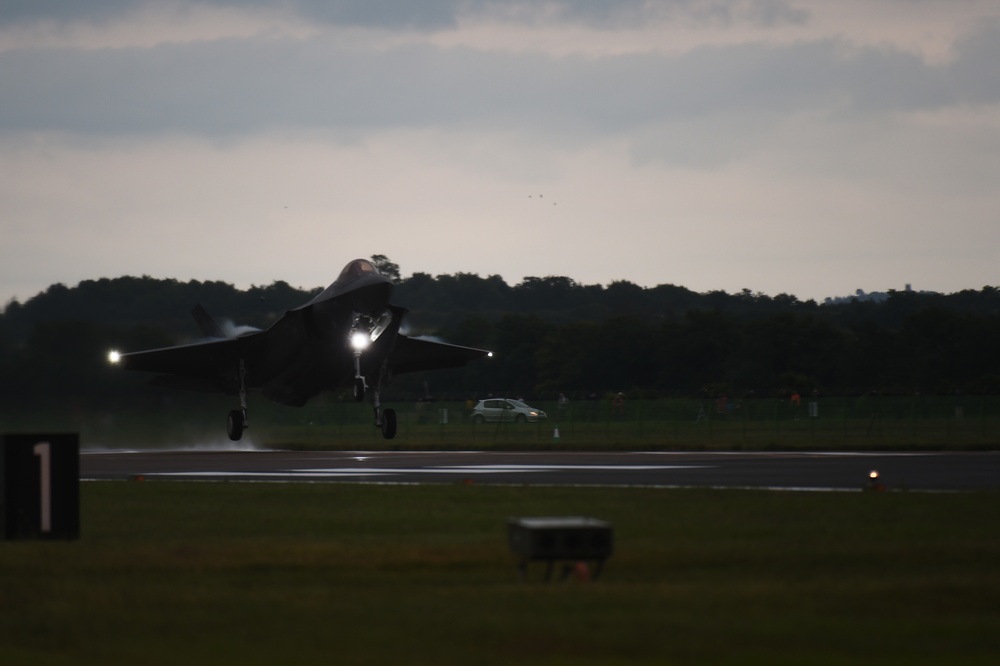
40	486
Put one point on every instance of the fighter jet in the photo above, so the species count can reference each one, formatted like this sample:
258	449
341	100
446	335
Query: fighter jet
347	335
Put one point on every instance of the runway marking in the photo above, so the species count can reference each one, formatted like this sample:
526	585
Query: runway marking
347	472
326	474
532	468
796	454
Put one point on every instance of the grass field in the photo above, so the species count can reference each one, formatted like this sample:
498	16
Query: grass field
199	573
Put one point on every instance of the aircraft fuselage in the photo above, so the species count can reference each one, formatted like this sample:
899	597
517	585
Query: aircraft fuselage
349	333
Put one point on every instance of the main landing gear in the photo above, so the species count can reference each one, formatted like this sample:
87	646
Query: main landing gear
237	421
385	419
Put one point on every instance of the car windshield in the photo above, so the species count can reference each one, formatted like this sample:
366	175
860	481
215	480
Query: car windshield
517	403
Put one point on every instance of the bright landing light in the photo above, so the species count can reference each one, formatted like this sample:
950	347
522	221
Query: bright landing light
359	340
114	356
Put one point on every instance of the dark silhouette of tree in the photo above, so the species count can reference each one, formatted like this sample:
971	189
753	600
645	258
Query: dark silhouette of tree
550	334
386	267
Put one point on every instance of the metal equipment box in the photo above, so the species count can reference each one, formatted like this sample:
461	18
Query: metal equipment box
571	538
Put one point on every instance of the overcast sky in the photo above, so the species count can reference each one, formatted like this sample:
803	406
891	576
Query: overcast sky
797	146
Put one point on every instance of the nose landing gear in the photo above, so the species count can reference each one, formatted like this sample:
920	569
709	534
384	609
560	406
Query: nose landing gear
363	332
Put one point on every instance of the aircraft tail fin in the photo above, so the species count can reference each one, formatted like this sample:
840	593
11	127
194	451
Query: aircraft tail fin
208	326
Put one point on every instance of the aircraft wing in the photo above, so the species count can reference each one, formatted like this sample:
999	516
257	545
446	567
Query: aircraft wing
414	354
196	359
277	363
200	366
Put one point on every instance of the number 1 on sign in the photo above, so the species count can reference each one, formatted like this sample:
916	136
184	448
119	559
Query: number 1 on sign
43	451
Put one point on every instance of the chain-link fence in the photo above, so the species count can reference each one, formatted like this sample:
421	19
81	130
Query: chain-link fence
807	423
597	422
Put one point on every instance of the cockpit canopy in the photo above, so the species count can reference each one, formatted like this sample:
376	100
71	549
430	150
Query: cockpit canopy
356	269
359	277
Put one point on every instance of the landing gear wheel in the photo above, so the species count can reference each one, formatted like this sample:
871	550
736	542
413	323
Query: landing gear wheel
359	389
234	425
389	423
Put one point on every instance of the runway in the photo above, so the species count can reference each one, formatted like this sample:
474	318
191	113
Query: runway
963	471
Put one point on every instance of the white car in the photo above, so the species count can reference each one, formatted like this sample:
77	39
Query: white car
503	409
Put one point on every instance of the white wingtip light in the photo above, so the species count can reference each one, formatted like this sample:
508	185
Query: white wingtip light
114	357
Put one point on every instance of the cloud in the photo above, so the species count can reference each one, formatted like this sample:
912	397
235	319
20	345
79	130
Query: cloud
707	143
20	12
242	86
436	14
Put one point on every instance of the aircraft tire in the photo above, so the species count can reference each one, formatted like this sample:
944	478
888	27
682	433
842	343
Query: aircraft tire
234	425
389	423
359	389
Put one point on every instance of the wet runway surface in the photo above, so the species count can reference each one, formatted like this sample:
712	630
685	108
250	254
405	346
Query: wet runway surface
805	471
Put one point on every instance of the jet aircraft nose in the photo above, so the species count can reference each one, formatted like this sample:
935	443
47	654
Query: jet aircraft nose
366	289
355	269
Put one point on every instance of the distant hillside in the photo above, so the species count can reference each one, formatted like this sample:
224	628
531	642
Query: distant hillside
550	334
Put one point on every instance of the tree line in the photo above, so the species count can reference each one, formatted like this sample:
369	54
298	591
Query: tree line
550	335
